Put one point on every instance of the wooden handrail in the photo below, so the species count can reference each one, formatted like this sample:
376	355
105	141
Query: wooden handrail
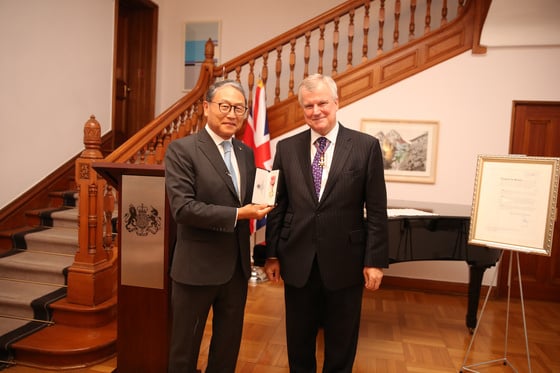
190	106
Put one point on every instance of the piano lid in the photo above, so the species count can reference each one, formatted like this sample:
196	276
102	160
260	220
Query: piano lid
432	208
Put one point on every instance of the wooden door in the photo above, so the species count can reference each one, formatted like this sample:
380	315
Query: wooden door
535	132
135	67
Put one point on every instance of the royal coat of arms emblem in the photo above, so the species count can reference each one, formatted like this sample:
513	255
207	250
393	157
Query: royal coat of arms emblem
141	221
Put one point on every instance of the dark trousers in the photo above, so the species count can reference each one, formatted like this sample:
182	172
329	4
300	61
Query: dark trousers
190	306
337	312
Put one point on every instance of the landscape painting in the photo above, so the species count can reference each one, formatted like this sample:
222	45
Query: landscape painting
409	148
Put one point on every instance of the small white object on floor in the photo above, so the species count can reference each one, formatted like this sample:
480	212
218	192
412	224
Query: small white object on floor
257	275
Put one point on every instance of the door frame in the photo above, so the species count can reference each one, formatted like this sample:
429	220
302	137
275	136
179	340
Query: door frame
532	290
135	48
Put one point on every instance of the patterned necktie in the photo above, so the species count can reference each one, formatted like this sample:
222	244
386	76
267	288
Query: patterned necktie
227	159
318	162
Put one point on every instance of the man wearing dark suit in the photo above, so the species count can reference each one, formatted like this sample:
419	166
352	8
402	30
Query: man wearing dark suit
318	240
210	200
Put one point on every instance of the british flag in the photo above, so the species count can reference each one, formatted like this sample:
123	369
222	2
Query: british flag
257	137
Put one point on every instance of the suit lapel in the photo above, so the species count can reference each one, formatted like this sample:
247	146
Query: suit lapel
241	156
342	150
208	147
304	159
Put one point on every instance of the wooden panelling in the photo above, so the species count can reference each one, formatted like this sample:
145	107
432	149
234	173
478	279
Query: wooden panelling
398	67
439	50
360	82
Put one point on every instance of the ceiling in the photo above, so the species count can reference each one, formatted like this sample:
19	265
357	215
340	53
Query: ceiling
522	23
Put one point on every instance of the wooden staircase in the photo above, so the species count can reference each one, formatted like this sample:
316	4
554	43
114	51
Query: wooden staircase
35	264
80	328
84	331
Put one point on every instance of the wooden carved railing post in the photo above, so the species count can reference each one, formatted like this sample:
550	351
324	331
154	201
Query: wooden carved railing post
91	277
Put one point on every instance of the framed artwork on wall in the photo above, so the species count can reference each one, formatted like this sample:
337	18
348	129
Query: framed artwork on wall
409	148
196	36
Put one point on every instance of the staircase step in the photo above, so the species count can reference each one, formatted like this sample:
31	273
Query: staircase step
17	297
66	347
11	330
55	240
39	267
70	314
63	198
43	216
8	324
15	237
65	218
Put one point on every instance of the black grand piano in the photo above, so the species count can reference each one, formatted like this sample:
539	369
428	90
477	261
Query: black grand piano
439	232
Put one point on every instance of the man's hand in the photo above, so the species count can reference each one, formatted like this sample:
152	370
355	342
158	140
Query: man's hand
272	269
372	277
252	211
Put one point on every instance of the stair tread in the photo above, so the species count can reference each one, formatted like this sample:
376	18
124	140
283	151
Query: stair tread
17	292
64	339
8	324
45	260
56	239
65	194
11	231
36	266
65	218
55	233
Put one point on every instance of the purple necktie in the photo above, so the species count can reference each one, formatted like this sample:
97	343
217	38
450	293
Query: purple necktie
318	162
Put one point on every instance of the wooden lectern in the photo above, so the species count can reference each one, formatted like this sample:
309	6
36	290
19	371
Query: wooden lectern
145	233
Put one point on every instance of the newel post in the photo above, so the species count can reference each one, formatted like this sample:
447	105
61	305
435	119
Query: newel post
91	277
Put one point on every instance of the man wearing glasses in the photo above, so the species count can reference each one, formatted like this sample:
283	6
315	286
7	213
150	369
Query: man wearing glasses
209	179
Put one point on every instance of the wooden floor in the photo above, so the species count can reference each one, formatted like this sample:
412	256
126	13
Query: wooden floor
401	331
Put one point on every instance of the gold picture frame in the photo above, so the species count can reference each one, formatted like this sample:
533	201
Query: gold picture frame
409	148
514	203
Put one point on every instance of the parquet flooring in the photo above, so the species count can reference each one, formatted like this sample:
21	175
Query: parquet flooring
402	331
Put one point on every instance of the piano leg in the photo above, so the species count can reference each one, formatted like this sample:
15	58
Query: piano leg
476	274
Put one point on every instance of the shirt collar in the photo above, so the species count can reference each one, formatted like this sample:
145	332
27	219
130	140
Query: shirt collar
217	139
331	136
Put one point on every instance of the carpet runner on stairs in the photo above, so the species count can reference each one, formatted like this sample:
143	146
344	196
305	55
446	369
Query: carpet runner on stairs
33	275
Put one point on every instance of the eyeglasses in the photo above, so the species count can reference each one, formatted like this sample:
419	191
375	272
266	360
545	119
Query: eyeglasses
226	108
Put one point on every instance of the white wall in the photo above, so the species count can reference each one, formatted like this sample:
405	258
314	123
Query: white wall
521	23
56	70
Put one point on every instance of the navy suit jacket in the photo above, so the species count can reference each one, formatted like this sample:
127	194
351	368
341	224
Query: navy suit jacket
334	230
203	202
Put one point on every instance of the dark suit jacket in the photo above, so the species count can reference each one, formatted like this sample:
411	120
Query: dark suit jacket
333	229
203	202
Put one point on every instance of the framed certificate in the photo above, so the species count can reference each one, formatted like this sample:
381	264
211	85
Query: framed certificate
514	203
